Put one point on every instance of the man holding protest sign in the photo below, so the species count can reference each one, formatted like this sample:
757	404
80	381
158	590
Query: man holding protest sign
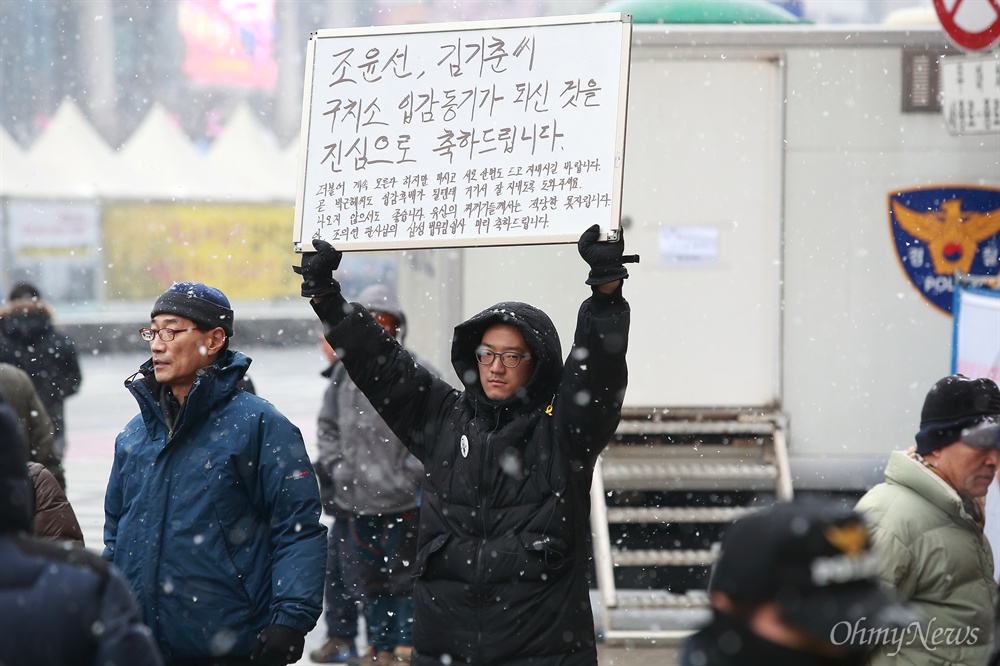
502	546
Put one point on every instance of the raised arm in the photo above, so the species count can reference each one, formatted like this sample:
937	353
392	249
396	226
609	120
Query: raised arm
403	392
596	366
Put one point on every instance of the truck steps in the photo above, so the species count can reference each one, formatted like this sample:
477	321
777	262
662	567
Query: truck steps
688	474
661	558
708	514
660	599
664	490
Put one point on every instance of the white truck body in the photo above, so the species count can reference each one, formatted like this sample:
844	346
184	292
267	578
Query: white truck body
779	145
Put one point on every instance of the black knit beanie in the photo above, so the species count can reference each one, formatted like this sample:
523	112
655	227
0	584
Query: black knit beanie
206	306
953	404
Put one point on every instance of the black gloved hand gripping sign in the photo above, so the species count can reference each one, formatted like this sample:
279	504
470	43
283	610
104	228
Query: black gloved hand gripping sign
607	263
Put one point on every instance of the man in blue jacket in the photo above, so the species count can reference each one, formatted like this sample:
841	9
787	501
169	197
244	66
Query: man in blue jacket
212	510
500	573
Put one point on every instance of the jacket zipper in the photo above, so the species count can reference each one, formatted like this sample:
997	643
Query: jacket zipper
171	430
484	494
480	548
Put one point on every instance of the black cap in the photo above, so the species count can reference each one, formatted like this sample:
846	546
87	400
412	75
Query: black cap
206	306
814	559
953	404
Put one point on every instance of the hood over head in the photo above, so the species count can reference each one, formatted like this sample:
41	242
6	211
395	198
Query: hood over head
25	319
539	334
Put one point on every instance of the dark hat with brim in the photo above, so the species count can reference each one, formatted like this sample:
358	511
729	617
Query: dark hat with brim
814	559
205	306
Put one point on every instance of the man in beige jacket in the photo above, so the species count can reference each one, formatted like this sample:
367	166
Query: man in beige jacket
985	436
927	525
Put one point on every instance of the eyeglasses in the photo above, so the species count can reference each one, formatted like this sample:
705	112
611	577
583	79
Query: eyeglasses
166	334
509	359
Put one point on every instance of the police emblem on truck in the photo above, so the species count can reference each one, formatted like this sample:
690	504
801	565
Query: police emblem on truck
941	231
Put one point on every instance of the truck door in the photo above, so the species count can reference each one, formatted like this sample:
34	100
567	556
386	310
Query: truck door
703	172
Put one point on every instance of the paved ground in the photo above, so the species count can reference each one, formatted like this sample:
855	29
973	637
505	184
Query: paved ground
288	377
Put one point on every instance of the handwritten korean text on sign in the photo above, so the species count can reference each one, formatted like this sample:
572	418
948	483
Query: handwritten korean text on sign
498	134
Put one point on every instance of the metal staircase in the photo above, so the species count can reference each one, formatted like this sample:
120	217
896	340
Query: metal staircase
664	489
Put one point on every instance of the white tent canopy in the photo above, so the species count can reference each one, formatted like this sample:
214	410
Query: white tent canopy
90	167
22	177
170	166
248	154
159	162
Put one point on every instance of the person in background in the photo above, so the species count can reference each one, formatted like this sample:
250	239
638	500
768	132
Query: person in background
60	605
54	518
375	484
927	525
30	341
24	400
501	568
246	384
343	593
986	436
212	508
795	583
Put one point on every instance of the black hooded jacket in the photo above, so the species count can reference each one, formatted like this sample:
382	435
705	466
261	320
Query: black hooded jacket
29	340
59	604
502	560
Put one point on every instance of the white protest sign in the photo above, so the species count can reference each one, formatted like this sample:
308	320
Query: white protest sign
976	337
463	134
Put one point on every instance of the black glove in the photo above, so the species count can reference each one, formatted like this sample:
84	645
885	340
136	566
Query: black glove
278	645
317	270
606	261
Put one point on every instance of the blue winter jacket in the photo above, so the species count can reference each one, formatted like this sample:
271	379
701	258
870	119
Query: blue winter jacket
217	524
61	604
